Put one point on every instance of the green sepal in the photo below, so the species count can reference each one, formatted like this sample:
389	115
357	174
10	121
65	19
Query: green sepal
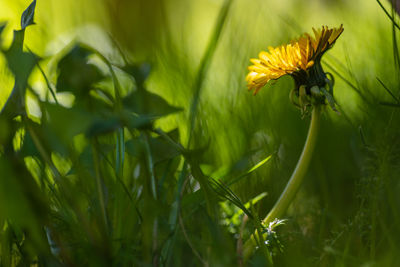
330	81
330	99
303	99
292	97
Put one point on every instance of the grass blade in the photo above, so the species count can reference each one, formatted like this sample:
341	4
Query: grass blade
205	62
387	14
252	169
388	90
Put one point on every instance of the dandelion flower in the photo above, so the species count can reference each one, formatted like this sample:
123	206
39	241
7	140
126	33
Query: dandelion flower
300	59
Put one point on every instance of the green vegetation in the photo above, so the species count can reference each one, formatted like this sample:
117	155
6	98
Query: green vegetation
128	138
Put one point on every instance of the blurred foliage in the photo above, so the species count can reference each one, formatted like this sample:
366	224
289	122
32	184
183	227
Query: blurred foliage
127	137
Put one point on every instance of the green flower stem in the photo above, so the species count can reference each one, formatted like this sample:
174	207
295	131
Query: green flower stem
301	169
295	181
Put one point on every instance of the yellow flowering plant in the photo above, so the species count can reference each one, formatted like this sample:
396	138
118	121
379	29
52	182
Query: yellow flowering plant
301	59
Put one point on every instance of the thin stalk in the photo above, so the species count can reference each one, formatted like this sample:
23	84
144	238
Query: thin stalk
295	181
120	153
53	93
150	165
99	184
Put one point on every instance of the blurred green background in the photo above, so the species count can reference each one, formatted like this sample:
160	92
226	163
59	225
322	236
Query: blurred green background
347	212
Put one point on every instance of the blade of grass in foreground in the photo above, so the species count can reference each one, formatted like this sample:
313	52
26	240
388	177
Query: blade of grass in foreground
252	169
388	91
205	62
198	84
387	14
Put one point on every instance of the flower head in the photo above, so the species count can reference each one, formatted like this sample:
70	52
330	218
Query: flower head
300	59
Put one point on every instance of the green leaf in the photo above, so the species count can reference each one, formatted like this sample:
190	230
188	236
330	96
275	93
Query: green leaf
134	121
28	15
145	103
21	65
104	126
162	150
139	72
141	101
68	122
80	120
76	74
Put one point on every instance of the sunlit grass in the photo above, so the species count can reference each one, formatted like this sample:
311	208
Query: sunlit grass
123	192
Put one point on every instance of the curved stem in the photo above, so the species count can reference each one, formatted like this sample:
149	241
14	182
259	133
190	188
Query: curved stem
295	181
297	178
